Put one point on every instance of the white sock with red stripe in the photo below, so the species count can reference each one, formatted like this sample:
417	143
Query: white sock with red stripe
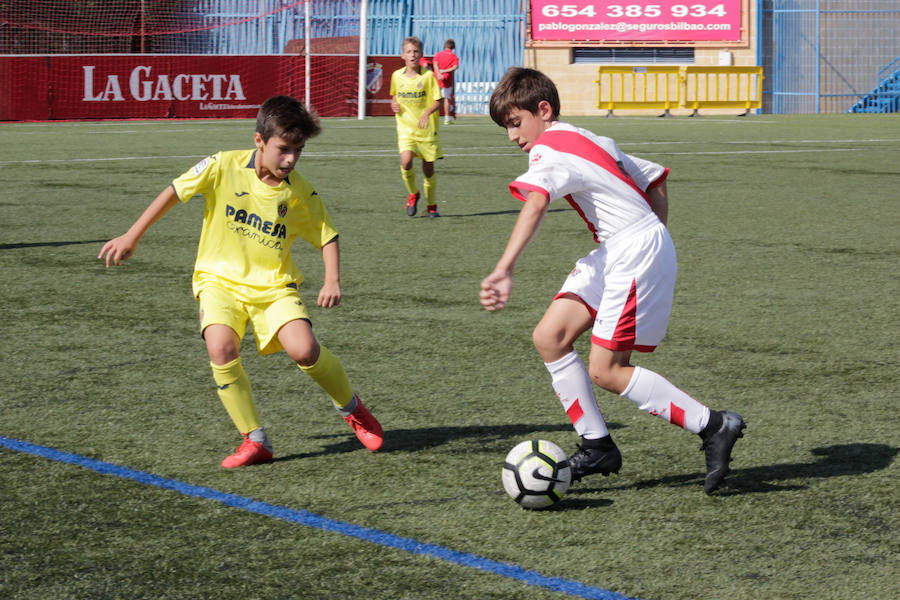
654	394
575	390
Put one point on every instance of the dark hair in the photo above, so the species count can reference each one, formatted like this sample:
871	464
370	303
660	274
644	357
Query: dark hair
524	89
286	117
450	44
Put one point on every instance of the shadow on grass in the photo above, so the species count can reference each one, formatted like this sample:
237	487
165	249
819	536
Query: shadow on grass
832	461
494	213
412	440
45	244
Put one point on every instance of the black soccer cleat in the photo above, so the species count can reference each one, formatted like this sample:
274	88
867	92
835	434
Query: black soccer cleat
412	204
717	445
586	461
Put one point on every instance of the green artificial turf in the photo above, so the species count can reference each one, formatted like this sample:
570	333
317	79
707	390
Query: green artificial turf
786	311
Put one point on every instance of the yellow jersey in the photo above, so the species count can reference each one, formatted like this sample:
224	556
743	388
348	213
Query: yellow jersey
249	227
415	95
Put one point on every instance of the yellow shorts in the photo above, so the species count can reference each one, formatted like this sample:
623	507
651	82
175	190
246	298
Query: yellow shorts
428	151
219	307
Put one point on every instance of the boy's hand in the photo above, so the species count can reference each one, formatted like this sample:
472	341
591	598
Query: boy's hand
330	295
423	121
118	249
395	106
495	290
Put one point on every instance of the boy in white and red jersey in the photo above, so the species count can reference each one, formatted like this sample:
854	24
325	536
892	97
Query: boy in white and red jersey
256	205
622	291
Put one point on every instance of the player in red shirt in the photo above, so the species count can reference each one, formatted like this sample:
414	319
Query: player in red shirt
445	64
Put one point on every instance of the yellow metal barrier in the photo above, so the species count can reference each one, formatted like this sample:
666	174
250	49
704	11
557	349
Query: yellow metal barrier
638	87
722	87
690	87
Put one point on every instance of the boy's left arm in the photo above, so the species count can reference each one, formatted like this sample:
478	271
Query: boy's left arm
423	120
659	201
330	294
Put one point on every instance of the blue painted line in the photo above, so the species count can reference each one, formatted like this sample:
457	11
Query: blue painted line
303	517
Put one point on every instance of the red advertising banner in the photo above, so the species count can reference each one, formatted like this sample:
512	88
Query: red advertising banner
142	86
164	86
103	86
636	20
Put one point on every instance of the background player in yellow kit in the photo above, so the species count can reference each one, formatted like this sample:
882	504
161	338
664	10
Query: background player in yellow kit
255	206
416	100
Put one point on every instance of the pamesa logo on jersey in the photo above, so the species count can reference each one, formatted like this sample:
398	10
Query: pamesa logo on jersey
248	223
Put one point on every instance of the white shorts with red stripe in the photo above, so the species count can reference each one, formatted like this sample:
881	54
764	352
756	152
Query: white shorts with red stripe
628	284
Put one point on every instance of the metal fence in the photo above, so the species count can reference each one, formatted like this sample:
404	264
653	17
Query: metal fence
267	26
489	38
822	56
489	34
819	56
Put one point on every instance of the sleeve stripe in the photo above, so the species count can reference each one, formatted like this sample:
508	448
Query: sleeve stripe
659	179
516	187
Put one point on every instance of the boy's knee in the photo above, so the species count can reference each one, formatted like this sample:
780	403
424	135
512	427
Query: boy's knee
221	352
602	378
221	356
612	378
305	355
548	342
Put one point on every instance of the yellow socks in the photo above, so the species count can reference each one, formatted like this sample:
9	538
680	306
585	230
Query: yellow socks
235	393
237	397
329	373
430	190
409	180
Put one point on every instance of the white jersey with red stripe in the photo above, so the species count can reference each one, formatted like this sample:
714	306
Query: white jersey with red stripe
603	184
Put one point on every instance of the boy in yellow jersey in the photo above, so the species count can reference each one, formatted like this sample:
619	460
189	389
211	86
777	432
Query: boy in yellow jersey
255	207
415	100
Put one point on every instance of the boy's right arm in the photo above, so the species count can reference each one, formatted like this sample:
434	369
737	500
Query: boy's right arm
121	248
497	287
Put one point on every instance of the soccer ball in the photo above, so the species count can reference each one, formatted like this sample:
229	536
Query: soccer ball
536	474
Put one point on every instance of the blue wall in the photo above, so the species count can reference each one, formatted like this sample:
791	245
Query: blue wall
489	34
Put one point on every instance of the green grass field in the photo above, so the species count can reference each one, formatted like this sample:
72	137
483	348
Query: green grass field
786	311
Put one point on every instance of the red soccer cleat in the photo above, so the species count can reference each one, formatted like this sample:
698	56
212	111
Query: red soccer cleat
248	453
366	427
432	211
412	204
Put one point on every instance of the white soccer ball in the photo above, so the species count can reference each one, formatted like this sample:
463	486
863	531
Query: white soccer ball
536	474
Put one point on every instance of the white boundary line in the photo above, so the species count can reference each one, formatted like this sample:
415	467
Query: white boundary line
391	153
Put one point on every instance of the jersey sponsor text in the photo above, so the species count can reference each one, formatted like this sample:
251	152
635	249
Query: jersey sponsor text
276	230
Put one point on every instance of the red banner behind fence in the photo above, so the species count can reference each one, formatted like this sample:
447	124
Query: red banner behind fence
38	88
